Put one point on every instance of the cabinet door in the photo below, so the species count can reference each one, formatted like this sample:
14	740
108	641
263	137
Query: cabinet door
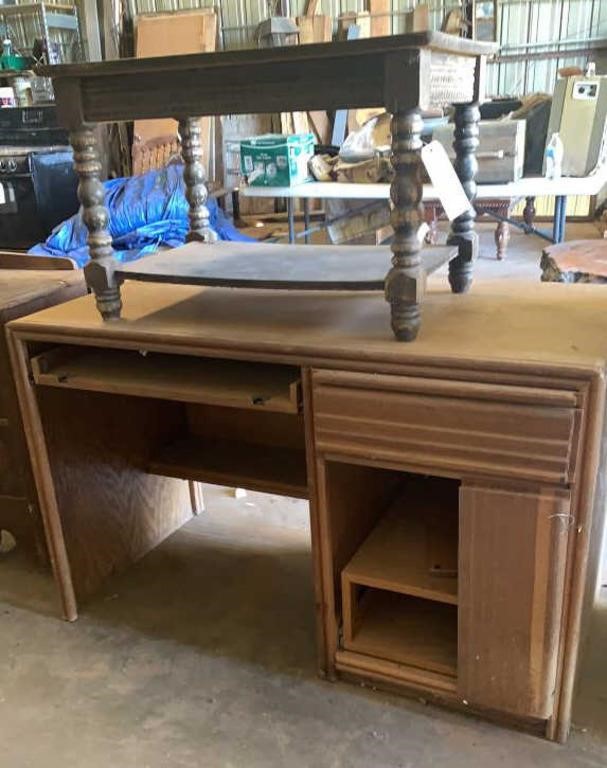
511	573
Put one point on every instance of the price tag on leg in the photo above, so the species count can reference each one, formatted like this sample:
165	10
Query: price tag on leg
445	181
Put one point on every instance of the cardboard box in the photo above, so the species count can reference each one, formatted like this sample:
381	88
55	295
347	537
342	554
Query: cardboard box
275	160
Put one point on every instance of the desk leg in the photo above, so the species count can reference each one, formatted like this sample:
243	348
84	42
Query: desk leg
405	281
467	117
99	272
194	178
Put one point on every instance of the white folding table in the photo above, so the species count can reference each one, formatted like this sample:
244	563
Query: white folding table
529	188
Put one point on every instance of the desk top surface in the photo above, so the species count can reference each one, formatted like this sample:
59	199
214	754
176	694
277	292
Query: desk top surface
499	325
18	286
289	53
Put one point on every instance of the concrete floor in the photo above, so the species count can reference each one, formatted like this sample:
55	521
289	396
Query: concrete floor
202	655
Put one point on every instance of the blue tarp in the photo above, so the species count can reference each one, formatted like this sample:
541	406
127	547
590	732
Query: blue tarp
146	211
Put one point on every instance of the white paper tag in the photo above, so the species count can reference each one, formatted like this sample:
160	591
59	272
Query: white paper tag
446	184
2	194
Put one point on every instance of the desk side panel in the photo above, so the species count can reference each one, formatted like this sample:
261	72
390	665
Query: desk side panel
112	511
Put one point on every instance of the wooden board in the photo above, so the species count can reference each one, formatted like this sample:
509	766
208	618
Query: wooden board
169	34
112	511
413	548
36	289
171	377
381	20
317	29
241	424
259	265
18	260
269	469
513	545
408	630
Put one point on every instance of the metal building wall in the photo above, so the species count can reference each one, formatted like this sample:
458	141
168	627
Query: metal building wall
526	28
529	29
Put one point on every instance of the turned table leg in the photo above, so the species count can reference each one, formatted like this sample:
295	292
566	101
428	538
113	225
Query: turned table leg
465	143
405	280
502	238
99	272
194	177
529	211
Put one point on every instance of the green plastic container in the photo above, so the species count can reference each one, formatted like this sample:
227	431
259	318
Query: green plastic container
15	63
276	160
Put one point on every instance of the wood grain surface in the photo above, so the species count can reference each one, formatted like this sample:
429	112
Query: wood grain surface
544	330
513	546
296	267
112	510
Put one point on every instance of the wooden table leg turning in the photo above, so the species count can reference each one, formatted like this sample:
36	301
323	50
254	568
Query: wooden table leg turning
99	272
405	280
467	117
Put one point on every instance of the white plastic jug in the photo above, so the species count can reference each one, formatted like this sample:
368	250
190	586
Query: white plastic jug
554	157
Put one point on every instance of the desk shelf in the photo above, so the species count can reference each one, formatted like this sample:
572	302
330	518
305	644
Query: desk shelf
407	630
412	550
265	468
399	587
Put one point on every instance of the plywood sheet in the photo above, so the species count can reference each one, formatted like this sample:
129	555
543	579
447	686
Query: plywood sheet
170	34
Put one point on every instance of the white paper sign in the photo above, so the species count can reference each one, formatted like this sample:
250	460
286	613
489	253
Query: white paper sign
2	194
444	179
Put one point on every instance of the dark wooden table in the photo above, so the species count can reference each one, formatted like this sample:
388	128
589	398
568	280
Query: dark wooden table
403	73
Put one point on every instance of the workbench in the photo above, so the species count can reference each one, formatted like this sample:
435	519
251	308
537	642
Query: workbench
403	73
456	485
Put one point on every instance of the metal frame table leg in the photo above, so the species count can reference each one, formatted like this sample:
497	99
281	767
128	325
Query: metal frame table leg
291	219
560	218
306	217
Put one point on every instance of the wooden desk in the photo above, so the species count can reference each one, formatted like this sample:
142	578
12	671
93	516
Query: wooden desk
23	291
491	424
403	73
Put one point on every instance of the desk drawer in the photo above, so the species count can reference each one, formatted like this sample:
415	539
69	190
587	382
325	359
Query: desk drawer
462	427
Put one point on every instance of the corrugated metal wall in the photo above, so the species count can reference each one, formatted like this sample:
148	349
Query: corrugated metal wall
530	28
524	27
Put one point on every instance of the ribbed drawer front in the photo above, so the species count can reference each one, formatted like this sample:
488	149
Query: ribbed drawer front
502	430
